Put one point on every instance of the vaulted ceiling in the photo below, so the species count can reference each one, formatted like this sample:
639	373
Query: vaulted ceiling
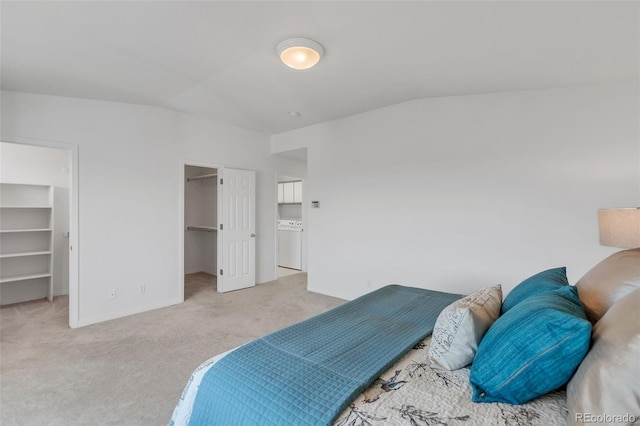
217	59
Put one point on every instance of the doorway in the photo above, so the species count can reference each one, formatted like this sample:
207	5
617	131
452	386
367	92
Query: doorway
201	229
39	231
217	227
290	224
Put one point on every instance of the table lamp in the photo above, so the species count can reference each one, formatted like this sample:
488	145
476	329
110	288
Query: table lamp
620	227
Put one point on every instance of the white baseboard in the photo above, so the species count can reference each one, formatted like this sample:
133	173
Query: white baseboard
125	313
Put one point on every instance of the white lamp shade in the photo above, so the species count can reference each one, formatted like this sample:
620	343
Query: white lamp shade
299	53
620	227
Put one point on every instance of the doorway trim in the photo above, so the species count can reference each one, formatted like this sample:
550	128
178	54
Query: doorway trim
183	165
74	246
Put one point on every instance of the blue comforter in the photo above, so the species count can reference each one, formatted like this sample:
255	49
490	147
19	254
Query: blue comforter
306	374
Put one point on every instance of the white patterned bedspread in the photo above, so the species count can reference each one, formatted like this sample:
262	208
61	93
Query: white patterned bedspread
411	393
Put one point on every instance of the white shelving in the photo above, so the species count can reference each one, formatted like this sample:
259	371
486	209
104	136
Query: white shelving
13	231
24	254
26	242
25	207
24	277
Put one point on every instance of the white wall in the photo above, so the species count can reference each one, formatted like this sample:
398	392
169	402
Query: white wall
458	193
130	161
204	140
290	211
44	166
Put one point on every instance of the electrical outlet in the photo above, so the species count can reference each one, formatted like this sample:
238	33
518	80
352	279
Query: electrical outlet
142	289
112	294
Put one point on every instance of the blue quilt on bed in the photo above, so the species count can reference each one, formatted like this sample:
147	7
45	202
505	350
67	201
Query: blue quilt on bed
308	373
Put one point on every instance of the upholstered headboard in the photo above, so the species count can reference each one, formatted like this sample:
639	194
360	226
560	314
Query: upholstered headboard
609	281
606	384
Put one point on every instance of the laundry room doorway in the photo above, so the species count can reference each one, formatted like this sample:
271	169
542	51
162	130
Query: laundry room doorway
290	225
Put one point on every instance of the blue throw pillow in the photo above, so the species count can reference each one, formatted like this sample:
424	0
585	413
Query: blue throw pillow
547	280
532	349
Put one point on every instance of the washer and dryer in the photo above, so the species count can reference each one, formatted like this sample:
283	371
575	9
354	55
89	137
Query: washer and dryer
290	243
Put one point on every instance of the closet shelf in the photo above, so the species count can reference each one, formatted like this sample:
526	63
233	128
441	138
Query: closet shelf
25	207
8	231
29	253
24	277
202	228
208	176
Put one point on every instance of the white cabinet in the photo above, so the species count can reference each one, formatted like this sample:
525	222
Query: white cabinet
297	191
290	192
280	193
26	242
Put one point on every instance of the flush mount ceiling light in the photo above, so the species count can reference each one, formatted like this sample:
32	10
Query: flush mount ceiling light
299	53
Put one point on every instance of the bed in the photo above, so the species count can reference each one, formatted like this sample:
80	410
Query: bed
424	378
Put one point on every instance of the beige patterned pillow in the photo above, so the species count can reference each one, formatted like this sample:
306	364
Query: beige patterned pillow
460	327
607	382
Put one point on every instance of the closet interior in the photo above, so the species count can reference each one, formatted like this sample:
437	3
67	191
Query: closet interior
26	242
200	219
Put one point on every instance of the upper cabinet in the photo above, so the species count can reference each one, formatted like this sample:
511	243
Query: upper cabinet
297	191
290	192
280	193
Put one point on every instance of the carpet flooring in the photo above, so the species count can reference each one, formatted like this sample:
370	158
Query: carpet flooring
131	371
285	272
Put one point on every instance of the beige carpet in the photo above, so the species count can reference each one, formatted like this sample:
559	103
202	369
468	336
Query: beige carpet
285	272
131	371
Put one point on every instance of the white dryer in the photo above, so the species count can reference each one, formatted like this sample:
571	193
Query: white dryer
290	244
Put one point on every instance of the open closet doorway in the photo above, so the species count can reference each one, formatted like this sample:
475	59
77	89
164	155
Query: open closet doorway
291	239
200	229
218	224
38	226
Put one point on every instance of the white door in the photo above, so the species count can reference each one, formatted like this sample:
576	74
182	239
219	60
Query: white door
236	234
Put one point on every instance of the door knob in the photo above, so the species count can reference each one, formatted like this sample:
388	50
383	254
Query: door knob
253	235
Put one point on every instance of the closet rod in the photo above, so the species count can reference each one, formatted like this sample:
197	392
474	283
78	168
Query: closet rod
189	179
202	228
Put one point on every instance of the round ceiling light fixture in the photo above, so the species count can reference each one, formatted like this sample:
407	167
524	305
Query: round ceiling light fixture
299	53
